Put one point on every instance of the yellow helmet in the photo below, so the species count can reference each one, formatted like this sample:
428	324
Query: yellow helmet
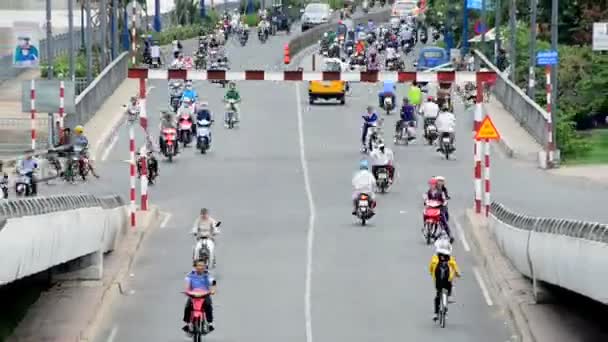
79	129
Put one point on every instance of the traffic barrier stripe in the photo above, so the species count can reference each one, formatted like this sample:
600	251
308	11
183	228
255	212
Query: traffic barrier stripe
367	76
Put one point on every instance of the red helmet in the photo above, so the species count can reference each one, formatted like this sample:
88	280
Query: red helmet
339	22
433	181
430	98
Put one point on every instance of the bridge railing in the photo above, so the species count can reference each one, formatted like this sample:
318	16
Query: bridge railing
571	254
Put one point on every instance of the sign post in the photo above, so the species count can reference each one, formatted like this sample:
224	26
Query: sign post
487	132
548	59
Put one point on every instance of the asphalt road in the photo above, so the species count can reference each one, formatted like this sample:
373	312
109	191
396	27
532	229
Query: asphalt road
281	185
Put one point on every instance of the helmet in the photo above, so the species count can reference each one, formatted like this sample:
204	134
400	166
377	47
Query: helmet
440	178
232	84
431	99
133	98
381	146
79	129
433	181
364	164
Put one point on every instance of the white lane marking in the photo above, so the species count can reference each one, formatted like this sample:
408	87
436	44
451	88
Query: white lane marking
311	219
463	238
482	285
109	148
112	334
165	220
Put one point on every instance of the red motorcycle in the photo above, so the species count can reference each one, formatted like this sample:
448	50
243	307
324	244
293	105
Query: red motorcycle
198	321
169	135
185	129
432	220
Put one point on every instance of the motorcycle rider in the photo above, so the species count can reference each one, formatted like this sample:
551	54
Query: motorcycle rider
389	88
371	27
167	121
28	166
383	157
206	227
441	186
232	94
363	182
435	194
176	47
443	268
414	94
189	92
155	52
4	186
407	116
430	110
373	63
200	279
370	118
360	47
80	144
446	124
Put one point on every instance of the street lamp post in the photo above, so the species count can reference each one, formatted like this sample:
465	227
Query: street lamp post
157	20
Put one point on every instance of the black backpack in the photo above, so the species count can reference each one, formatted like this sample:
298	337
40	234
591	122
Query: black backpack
442	272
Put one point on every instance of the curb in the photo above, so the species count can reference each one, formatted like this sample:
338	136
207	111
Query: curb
116	287
499	271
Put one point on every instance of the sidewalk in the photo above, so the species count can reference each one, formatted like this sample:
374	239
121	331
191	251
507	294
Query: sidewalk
594	173
515	140
73	310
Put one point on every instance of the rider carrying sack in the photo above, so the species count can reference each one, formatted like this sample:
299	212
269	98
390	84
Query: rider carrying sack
443	268
206	227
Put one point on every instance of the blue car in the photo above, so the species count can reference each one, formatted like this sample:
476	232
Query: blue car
431	57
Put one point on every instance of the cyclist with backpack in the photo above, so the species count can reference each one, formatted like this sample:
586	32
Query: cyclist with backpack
443	268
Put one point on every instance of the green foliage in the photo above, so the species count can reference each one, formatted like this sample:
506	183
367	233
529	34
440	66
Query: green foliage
571	143
183	32
336	4
61	67
252	19
243	5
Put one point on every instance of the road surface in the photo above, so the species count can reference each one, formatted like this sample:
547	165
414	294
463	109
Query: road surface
292	263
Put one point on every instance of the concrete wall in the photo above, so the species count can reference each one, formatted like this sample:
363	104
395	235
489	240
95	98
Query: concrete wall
40	233
568	253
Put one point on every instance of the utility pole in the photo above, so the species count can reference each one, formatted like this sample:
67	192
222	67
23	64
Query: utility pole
465	28
103	23
89	42
49	60
497	20
71	40
114	30
483	26
157	21
554	82
513	28
532	66
203	10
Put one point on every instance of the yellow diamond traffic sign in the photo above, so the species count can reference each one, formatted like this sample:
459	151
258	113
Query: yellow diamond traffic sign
487	130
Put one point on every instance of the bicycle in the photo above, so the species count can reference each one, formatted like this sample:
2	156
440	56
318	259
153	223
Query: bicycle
443	307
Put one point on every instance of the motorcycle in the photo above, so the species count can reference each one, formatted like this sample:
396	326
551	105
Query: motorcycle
169	136
152	168
364	211
82	162
382	3
155	62
388	104
184	125
423	36
203	135
407	132
407	48
231	114
198	321
383	180
262	35
430	131
175	95
243	37
445	145
23	185
432	221
365	6
200	63
203	251
392	64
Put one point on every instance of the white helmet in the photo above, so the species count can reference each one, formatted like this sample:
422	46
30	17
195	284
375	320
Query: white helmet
440	178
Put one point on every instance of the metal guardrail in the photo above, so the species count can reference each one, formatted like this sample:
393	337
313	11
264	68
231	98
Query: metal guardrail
532	117
571	254
592	231
92	98
13	208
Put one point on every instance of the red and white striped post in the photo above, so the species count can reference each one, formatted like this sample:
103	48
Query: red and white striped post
132	173
550	143
134	33
61	105
143	121
33	112
477	146
144	179
143	116
486	162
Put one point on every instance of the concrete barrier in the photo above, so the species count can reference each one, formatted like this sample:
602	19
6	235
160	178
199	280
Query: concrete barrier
74	231
568	253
